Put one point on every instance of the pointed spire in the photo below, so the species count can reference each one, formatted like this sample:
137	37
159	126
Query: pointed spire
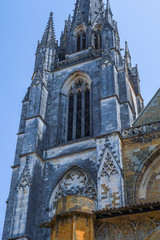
49	34
86	11
109	13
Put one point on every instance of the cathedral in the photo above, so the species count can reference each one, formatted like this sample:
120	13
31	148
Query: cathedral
87	161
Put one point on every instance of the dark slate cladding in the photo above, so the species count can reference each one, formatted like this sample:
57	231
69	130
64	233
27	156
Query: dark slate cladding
48	142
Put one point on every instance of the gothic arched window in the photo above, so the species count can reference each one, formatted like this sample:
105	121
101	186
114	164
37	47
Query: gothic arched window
78	110
84	40
81	41
97	41
78	42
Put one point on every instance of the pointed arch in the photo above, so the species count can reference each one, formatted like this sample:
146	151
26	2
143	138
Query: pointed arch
154	235
75	77
75	181
124	229
144	226
148	177
106	232
76	99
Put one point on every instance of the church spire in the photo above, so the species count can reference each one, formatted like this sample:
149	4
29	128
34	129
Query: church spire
86	11
49	34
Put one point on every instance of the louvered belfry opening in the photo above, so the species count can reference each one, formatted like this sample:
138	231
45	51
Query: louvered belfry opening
79	110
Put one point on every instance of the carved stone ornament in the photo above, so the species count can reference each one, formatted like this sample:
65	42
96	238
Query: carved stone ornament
141	130
88	55
109	167
145	139
75	182
25	178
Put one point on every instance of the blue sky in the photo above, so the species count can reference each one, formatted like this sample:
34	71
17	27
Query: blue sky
22	23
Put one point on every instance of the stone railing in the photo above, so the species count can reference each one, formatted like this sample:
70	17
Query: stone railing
91	54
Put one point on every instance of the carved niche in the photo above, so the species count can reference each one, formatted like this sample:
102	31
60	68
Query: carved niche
75	182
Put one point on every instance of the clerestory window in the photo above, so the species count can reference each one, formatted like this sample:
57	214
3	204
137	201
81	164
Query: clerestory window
81	41
79	110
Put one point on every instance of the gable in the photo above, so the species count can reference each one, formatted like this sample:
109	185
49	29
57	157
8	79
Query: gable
151	113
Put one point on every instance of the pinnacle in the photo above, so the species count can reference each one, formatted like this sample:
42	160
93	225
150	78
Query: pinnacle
108	8
49	34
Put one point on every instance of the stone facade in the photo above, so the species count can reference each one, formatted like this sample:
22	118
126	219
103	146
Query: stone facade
87	162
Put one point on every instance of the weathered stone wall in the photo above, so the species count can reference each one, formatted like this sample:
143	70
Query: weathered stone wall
140	157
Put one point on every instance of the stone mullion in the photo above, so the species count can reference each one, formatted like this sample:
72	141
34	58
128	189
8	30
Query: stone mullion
74	116
83	115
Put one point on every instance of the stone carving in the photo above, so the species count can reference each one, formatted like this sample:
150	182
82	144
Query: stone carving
25	178
75	182
145	139
141	130
108	145
78	59
109	167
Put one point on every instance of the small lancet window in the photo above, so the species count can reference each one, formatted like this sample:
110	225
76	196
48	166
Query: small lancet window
78	42
84	41
97	41
79	111
81	41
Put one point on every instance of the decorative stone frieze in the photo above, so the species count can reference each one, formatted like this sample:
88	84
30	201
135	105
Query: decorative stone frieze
92	54
145	138
141	130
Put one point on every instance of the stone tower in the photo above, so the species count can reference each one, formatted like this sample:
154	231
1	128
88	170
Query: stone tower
69	157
